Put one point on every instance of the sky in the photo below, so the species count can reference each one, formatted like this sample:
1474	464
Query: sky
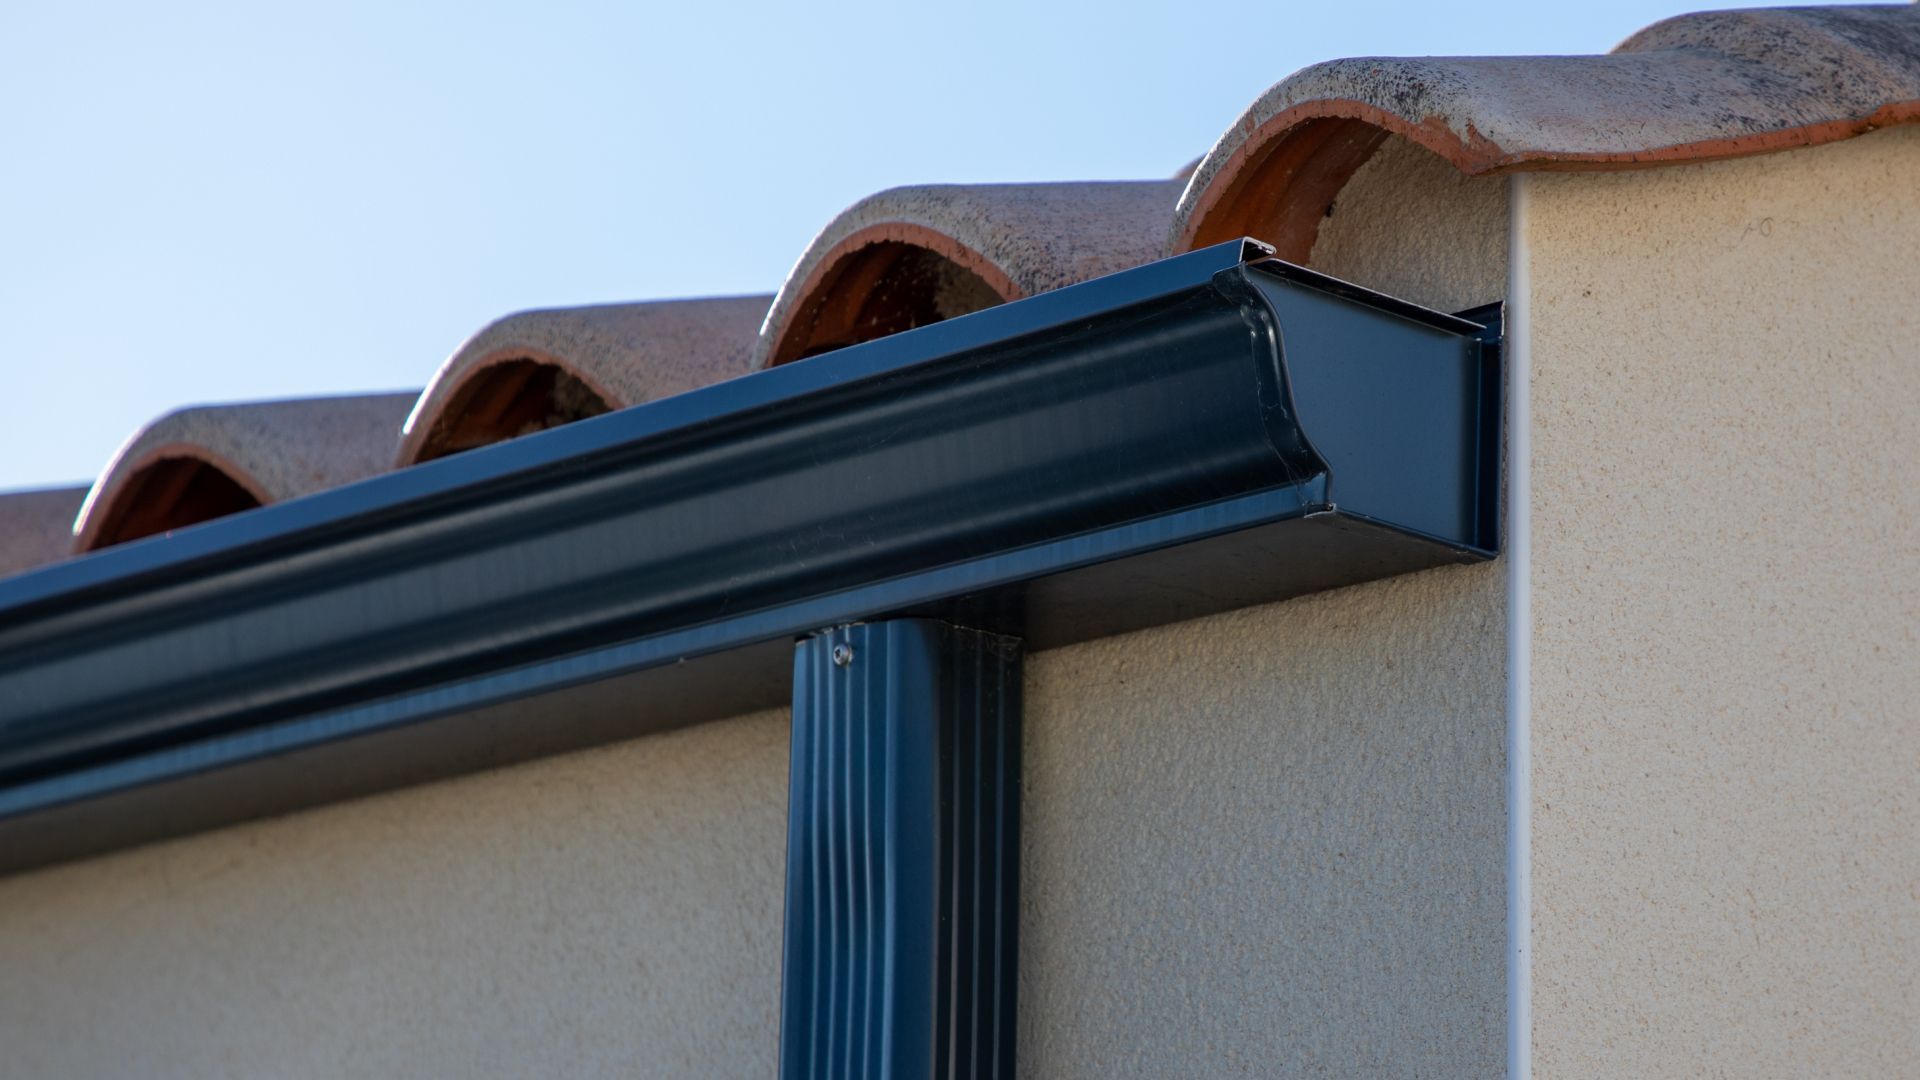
220	202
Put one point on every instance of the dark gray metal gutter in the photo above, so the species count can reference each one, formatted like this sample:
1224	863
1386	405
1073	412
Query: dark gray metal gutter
1210	431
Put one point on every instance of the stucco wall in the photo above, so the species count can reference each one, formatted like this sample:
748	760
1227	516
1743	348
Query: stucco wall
608	913
1727	588
1270	843
1409	224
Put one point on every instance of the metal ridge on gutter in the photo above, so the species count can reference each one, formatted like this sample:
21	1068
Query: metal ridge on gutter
1201	433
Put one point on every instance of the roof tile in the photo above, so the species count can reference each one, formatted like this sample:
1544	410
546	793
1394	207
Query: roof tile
538	369
915	255
206	461
1715	84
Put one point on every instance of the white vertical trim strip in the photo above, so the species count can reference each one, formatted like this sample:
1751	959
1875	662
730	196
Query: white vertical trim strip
1519	556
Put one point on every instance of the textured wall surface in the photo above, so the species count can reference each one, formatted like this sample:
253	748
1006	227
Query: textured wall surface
1727	588
1411	225
1271	842
608	913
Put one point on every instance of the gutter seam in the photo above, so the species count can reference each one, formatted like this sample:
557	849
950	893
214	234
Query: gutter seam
1519	557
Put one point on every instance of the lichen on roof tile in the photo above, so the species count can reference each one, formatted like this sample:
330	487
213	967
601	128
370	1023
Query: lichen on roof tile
911	256
206	461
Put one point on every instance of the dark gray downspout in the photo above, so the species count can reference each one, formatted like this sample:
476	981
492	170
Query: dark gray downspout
903	854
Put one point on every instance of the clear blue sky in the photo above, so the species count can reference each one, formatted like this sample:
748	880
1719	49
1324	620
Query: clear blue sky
208	202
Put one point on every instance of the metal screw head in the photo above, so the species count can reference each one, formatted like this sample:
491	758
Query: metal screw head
842	655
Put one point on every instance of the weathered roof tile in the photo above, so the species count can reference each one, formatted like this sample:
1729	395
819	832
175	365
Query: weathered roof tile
1715	84
538	369
203	462
916	255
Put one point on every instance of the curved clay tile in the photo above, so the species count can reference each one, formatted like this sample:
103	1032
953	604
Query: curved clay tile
200	463
36	527
539	369
1711	85
916	255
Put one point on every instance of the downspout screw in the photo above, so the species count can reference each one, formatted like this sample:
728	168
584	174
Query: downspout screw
842	655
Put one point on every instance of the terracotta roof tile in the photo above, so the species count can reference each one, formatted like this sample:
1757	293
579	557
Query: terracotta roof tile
538	369
199	463
917	255
36	527
1715	84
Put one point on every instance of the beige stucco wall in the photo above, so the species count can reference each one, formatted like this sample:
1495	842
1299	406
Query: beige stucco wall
1410	225
1271	843
1263	843
1726	705
608	913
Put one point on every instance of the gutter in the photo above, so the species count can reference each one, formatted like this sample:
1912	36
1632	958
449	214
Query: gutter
1206	432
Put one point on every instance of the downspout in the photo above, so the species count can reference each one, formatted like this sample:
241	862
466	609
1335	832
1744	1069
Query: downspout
1519	556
